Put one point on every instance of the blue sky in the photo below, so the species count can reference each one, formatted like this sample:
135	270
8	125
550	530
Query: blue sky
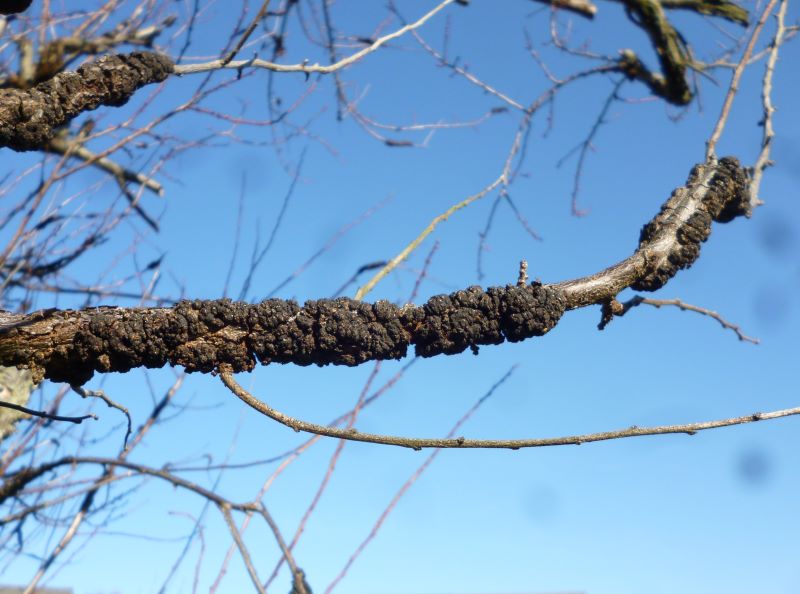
715	512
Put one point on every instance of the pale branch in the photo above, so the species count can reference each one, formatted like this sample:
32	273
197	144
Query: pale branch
305	67
30	118
582	7
733	88
63	144
615	308
206	336
417	443
768	134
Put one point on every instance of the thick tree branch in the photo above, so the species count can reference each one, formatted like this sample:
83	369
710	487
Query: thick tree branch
30	118
715	191
205	336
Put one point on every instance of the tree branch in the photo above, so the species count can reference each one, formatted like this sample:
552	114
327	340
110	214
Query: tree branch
30	118
418	443
205	336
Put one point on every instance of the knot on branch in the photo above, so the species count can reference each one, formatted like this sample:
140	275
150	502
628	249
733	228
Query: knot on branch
29	118
715	191
452	323
69	346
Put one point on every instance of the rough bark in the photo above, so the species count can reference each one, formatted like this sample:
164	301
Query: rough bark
715	191
70	346
29	118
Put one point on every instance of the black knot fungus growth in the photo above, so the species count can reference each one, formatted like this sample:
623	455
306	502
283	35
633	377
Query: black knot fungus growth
204	336
449	324
671	241
730	192
343	332
29	118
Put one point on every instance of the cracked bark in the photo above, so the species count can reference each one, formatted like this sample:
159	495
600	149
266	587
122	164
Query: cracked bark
69	346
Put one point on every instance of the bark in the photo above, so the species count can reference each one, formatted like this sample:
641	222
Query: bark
30	118
204	336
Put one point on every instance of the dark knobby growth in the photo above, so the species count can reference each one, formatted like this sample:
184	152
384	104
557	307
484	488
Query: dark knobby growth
714	192
14	6
70	346
29	118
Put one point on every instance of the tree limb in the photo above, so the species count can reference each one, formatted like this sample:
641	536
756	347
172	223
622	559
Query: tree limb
30	118
205	336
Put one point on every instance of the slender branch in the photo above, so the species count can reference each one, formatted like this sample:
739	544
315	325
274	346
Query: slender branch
46	415
246	35
237	538
411	480
658	303
85	393
299	576
62	146
306	68
763	160
733	88
501	180
417	443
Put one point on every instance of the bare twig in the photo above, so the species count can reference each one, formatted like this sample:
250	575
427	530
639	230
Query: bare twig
763	160
733	89
246	35
86	393
638	300
237	538
502	180
312	68
46	415
417	443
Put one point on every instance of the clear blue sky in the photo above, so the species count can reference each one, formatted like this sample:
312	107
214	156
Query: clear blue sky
712	513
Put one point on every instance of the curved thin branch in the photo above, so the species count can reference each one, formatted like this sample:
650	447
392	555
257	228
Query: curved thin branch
417	443
637	300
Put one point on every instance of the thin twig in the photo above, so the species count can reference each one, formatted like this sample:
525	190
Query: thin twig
637	300
182	69
237	538
246	35
763	160
45	415
86	393
287	553
501	181
733	89
417	443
